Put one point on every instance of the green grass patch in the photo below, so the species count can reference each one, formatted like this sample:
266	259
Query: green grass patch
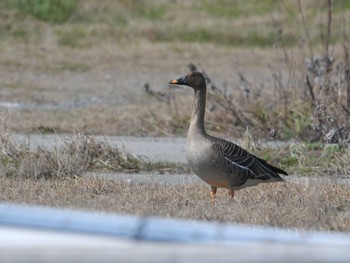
153	12
19	33
74	66
211	35
331	149
289	161
45	130
145	9
297	122
73	37
314	146
308	159
341	5
52	11
236	9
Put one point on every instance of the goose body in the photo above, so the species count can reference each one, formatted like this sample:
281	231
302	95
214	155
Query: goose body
218	162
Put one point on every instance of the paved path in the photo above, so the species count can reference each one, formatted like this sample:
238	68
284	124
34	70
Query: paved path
156	149
165	149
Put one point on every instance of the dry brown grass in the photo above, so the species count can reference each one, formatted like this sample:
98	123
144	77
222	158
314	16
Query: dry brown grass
316	205
81	153
149	118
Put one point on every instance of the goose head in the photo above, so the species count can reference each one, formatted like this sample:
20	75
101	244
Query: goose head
194	80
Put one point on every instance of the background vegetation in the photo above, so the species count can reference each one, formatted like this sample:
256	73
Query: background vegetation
308	93
234	23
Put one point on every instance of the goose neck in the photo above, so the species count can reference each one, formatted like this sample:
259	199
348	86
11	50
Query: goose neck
197	119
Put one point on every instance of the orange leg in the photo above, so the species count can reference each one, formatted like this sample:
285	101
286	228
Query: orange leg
232	193
213	194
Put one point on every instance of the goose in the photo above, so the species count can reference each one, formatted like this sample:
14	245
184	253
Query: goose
218	162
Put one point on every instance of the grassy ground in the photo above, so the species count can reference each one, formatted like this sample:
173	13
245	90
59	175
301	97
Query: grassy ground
315	205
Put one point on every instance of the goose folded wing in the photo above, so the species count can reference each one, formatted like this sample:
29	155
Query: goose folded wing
239	174
259	167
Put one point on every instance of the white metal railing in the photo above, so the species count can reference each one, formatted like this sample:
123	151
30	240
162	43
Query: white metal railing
155	228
